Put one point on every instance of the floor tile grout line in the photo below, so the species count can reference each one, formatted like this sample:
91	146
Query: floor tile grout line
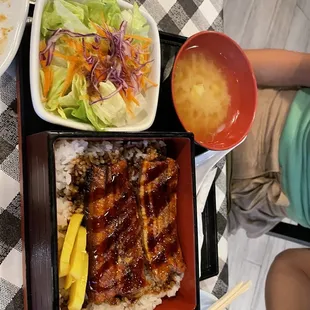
266	247
250	261
245	26
298	5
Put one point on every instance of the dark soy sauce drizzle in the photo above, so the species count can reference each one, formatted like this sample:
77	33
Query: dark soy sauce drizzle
117	210
169	250
123	215
132	279
154	172
160	193
152	240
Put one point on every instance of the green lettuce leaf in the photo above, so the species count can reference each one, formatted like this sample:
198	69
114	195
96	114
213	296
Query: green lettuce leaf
50	19
137	23
64	49
75	16
76	105
72	103
81	113
78	89
127	16
68	112
79	9
68	101
61	112
111	111
96	11
93	118
107	11
72	16
78	114
59	76
63	14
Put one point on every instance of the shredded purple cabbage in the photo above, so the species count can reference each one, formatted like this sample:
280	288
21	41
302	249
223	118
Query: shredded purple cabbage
114	67
51	42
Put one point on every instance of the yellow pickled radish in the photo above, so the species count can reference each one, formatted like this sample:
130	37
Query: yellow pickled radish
76	260
78	288
64	262
68	282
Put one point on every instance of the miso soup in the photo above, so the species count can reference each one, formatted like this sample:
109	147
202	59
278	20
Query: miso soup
201	94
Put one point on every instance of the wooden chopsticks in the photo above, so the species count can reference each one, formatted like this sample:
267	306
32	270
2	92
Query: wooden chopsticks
229	297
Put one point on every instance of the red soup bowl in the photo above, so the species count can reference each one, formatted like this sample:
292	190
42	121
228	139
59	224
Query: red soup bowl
241	82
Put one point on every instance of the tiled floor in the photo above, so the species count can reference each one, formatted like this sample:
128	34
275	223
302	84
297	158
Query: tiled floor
262	24
269	23
250	259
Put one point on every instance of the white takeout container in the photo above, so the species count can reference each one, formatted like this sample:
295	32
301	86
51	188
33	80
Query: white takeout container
205	162
142	122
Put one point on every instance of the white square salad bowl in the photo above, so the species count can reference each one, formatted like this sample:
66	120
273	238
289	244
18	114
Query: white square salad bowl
141	122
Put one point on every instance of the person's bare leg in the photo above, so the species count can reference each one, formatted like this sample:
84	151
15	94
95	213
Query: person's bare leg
288	281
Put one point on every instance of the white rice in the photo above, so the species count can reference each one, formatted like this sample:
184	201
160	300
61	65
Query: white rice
146	302
64	210
67	151
65	154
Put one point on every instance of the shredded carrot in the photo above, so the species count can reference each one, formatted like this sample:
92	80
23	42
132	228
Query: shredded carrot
146	70
145	46
99	30
142	83
122	93
139	38
130	96
100	76
88	46
66	57
79	49
127	101
42	45
48	80
87	66
69	77
69	41
77	46
150	81
134	99
43	63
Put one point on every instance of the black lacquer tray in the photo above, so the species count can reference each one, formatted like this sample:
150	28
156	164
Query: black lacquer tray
166	121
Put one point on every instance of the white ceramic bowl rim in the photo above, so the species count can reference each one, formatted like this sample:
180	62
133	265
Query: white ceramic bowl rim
16	13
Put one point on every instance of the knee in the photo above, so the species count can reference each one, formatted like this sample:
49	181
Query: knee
285	259
279	268
285	256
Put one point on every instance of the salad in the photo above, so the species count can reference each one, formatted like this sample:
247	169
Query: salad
95	61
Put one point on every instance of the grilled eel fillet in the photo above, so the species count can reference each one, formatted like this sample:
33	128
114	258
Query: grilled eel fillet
158	203
116	262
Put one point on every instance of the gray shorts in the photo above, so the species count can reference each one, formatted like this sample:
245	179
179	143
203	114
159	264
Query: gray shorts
257	200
